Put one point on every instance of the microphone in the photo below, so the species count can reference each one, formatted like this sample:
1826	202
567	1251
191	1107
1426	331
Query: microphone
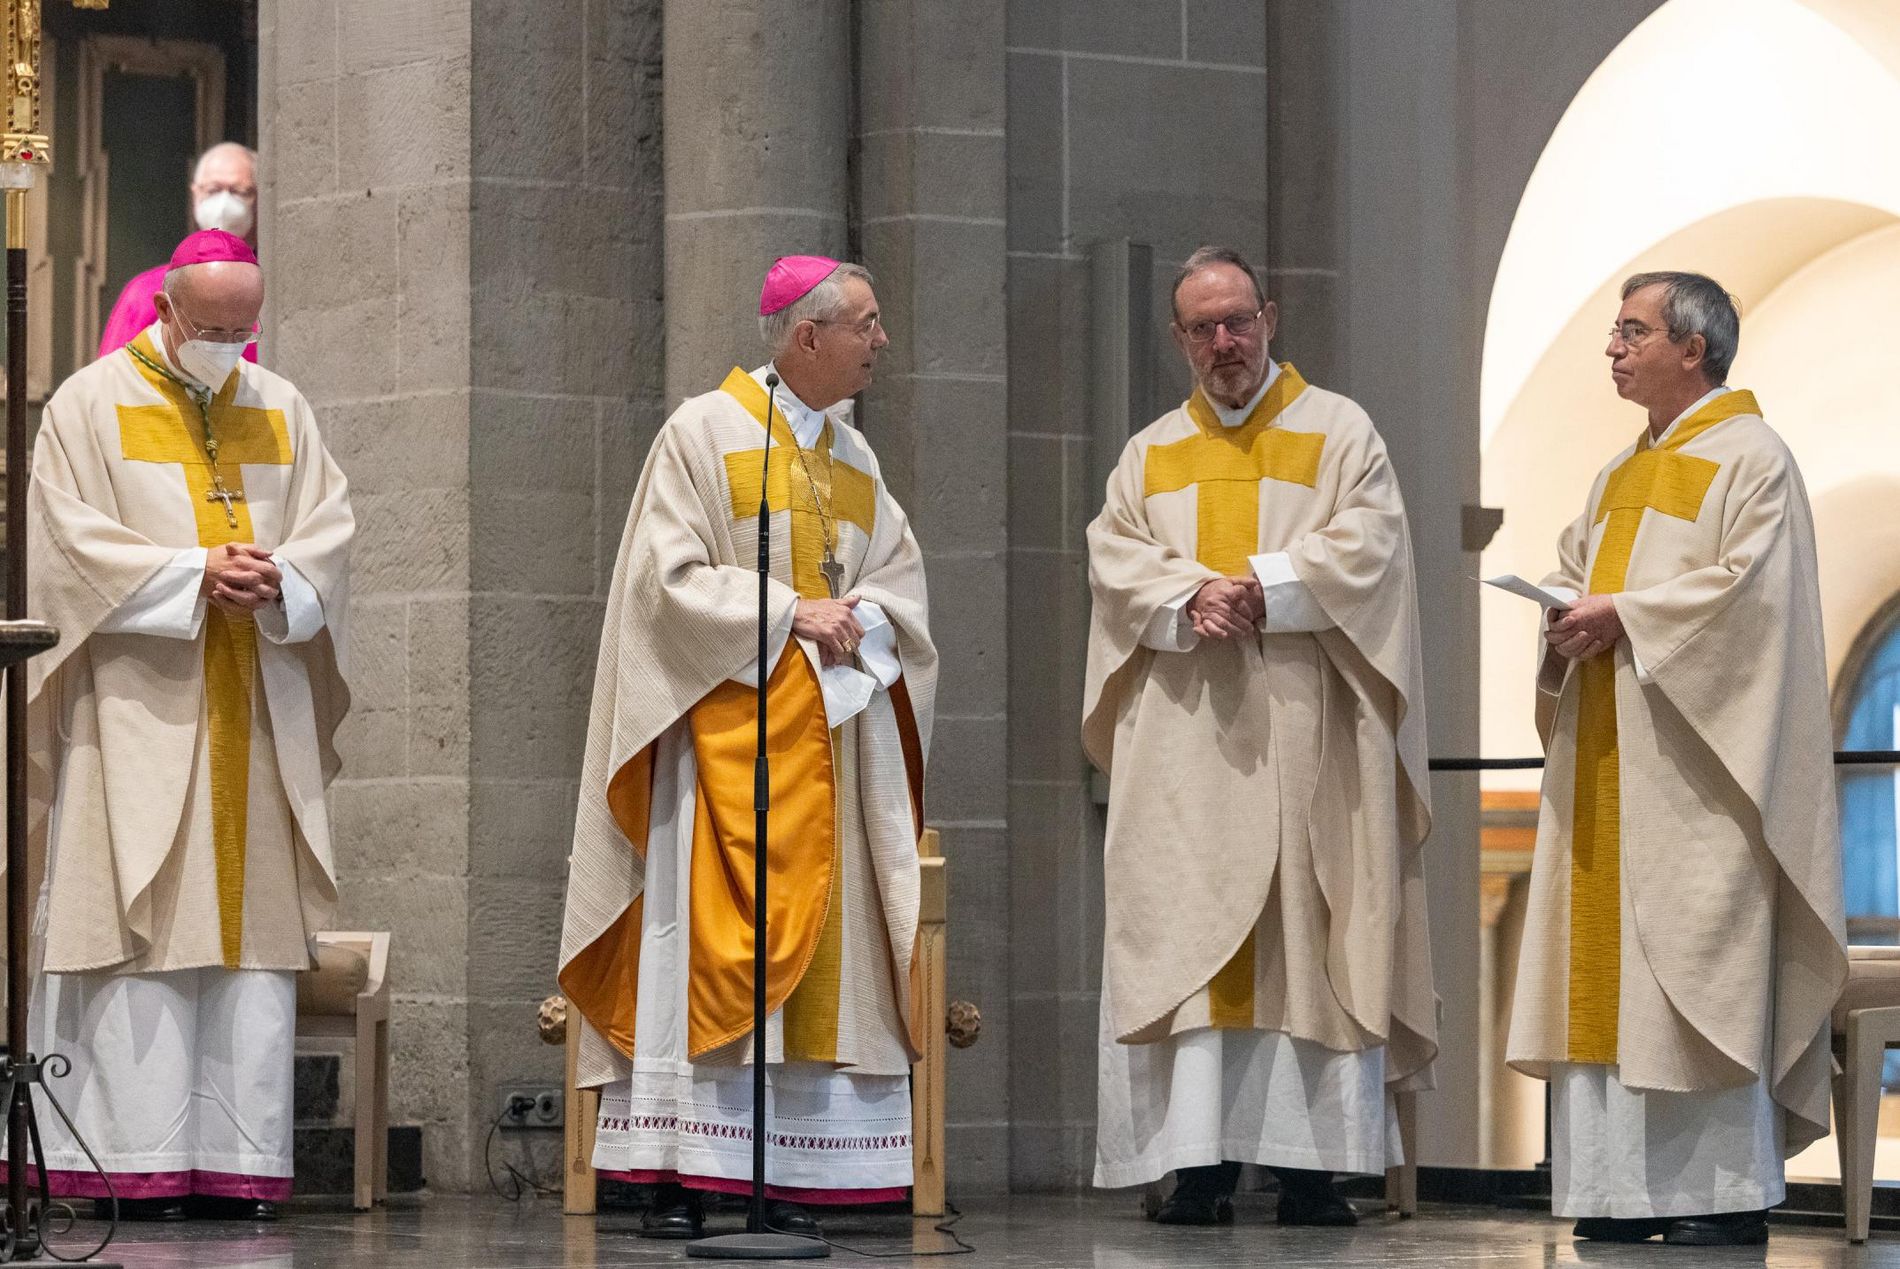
765	465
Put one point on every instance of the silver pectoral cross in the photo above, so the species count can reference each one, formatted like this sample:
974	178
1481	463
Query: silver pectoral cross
833	571
227	497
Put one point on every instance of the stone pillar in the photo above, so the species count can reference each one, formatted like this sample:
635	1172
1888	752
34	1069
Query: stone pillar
1373	279
931	191
1405	294
461	244
757	109
564	371
364	121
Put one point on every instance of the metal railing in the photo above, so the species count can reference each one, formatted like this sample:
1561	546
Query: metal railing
1842	758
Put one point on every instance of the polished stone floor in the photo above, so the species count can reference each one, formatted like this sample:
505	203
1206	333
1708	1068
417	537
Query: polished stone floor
1097	1232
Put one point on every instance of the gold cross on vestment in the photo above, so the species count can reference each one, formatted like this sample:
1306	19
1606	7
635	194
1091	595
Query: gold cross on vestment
823	494
852	499
1225	465
1662	479
168	434
174	432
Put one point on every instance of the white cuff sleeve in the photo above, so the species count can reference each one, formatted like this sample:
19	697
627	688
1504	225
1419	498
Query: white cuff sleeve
877	654
300	614
845	688
170	604
1636	662
1552	669
848	688
1171	629
1291	608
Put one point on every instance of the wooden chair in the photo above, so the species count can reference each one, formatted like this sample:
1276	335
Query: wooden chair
347	997
1866	1025
1401	1183
931	1004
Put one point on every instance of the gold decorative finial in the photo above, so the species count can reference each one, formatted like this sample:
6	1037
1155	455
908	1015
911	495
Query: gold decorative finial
23	141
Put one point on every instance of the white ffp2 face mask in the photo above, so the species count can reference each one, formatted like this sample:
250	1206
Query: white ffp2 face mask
208	362
225	210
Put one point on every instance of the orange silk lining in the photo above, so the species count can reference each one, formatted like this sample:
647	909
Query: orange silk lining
725	741
601	981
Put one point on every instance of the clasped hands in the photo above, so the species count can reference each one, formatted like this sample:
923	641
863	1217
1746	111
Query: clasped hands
831	625
241	578
1586	628
1227	607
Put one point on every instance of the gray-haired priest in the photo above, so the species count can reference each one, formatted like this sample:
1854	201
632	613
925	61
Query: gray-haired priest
1254	691
657	951
1685	938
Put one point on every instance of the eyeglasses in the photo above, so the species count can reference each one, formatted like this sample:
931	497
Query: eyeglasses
863	330
216	336
1633	333
1238	325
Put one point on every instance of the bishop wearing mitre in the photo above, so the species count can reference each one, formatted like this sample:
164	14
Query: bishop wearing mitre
189	536
657	951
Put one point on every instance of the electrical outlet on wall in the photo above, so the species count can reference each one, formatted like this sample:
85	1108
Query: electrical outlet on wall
531	1106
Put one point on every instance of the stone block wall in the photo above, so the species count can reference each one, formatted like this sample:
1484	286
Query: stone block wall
461	235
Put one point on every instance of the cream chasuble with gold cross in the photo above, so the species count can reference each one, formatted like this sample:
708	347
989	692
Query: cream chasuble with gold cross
1685	931
179	813
1268	797
657	951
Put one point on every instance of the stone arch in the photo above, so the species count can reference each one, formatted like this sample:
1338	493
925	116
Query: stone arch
1744	139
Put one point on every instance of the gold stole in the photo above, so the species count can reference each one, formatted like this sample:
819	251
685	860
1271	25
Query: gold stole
1225	465
1664	480
807	916
847	494
173	433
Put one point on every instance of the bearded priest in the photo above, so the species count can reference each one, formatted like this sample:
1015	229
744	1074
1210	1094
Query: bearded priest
1254	692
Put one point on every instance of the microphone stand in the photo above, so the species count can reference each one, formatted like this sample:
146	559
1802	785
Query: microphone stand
759	1243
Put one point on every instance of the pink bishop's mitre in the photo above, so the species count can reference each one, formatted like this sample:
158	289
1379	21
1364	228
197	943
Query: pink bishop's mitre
209	246
790	279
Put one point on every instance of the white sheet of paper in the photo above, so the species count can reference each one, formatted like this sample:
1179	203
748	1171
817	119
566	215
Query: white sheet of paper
1518	586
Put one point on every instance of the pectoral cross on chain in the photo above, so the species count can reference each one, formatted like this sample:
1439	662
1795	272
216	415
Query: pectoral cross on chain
227	497
833	571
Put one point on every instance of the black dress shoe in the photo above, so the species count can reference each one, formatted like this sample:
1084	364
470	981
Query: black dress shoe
1726	1229
147	1209
1620	1229
789	1218
1307	1198
1202	1196
675	1212
212	1207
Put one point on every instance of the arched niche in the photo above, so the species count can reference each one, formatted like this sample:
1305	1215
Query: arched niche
1747	139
